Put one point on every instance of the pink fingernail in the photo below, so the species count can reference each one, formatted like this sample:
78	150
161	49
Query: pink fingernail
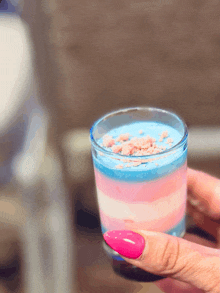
126	243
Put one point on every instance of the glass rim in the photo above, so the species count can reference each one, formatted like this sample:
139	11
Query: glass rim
110	153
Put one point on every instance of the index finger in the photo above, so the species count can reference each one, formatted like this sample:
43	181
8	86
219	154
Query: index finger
206	189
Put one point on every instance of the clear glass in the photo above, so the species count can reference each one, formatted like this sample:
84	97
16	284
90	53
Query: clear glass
141	192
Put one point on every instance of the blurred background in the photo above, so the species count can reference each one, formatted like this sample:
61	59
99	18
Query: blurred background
64	64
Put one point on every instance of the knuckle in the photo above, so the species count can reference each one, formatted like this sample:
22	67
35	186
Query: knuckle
169	256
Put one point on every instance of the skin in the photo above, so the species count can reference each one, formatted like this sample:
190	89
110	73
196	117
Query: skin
192	264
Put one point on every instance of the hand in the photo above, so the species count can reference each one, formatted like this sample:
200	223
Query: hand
191	264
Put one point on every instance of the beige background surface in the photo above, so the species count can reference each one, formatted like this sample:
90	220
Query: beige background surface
114	54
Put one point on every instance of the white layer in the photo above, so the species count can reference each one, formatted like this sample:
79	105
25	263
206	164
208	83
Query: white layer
141	211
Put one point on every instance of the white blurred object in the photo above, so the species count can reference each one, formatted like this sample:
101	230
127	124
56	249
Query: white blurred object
204	143
17	99
76	145
15	67
26	165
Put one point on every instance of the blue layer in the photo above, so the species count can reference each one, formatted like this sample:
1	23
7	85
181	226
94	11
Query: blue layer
143	172
177	231
174	159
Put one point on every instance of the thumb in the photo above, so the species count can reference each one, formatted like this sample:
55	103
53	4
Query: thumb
169	256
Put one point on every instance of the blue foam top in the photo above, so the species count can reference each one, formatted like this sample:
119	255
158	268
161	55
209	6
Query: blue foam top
163	164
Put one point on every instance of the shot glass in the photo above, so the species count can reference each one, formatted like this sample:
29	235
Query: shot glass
140	164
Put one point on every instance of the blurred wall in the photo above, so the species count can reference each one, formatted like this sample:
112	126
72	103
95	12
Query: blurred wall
110	54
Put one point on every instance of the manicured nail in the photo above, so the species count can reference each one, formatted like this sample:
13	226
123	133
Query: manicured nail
126	243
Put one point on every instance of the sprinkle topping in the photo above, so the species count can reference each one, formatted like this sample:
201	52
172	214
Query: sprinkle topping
127	145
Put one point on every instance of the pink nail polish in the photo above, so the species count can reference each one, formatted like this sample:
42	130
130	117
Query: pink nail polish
126	243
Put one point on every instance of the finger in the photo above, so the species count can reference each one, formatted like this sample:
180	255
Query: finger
205	222
169	256
201	241
204	192
173	286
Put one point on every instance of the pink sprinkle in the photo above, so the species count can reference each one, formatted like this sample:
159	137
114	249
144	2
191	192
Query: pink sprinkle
135	164
128	165
150	150
128	221
126	160
143	152
133	146
116	148
107	136
123	137
127	150
157	150
169	140
119	167
163	135
156	164
108	141
145	161
144	142
127	143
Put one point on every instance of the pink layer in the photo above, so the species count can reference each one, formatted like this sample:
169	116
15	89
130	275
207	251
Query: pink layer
144	191
161	225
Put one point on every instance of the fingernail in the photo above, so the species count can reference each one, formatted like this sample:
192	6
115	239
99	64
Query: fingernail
127	243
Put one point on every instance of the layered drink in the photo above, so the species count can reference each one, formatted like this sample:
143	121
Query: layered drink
139	157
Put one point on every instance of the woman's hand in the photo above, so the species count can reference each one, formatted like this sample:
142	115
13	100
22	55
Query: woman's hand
191	264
